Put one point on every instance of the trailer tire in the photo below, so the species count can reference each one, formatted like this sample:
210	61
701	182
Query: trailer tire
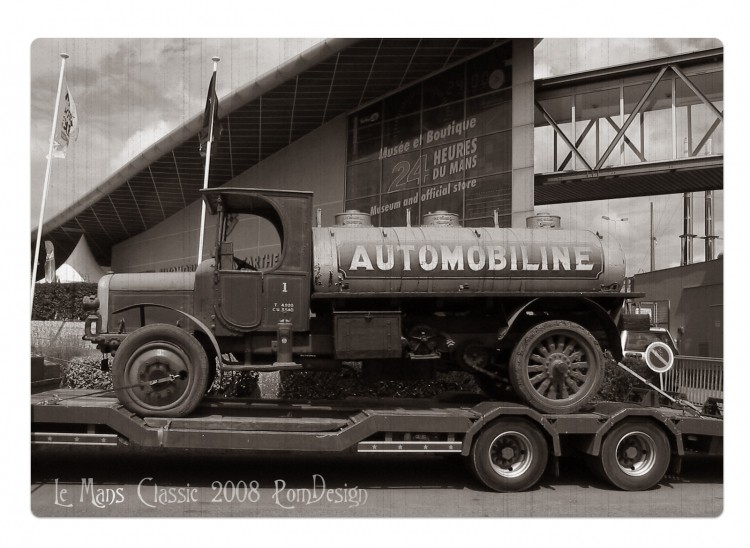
509	455
160	371
550	360
634	455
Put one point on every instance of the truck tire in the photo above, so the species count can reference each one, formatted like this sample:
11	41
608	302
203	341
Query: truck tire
509	455
634	456
160	371
556	367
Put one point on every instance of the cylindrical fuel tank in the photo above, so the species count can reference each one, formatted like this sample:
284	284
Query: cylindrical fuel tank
440	259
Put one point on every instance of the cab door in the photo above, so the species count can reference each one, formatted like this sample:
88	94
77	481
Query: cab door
287	297
238	294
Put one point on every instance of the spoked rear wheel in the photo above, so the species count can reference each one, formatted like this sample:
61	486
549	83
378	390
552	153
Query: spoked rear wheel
557	367
160	370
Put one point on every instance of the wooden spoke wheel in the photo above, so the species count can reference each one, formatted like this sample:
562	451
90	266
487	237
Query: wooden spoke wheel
557	367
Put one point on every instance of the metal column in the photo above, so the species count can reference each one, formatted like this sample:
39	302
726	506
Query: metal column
687	230
709	237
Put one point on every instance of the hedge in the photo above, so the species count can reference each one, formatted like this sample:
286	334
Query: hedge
616	386
61	301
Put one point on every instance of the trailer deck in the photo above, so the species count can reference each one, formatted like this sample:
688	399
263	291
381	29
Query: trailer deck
455	423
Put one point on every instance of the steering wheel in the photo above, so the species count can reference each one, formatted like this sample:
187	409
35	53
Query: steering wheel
242	264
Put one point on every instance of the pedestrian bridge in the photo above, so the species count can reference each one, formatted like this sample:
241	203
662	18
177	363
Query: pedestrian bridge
648	128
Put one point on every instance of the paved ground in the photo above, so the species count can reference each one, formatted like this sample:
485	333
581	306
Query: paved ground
339	485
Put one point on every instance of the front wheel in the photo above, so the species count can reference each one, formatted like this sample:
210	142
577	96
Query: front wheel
509	455
160	371
634	456
556	367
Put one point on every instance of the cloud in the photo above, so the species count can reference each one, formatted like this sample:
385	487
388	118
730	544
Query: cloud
557	56
140	141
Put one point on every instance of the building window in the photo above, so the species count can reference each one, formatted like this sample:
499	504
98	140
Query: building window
442	144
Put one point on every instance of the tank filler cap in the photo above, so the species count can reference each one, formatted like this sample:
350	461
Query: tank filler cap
440	218
543	220
353	217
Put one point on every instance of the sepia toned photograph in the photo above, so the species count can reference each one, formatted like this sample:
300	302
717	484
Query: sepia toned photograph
377	277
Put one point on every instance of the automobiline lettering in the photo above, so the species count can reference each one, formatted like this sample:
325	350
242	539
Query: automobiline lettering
475	258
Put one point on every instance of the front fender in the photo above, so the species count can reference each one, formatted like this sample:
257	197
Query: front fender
201	326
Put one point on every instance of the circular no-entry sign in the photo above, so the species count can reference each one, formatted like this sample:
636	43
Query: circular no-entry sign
659	357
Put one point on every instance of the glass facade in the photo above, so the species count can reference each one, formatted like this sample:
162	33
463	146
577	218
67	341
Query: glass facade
442	144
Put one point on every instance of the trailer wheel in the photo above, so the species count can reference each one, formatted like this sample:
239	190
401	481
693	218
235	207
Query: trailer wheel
556	367
160	371
634	456
509	455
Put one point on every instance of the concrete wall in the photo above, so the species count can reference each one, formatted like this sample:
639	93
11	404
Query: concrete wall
696	304
315	162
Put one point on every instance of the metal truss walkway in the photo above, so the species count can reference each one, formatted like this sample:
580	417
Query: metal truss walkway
654	127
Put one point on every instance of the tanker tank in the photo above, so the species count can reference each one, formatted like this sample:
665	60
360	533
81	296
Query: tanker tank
437	259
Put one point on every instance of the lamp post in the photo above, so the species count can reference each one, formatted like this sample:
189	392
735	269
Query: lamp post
615	221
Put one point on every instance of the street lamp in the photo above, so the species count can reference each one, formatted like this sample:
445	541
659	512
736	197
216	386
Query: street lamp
611	220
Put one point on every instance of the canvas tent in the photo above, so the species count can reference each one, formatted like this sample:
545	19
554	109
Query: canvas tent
80	266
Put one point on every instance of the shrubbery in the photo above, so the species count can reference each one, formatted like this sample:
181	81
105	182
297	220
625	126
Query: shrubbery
61	301
618	383
348	383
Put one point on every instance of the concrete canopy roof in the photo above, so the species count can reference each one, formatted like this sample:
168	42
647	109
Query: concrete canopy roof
334	77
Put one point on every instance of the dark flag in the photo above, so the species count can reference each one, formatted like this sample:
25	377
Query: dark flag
211	129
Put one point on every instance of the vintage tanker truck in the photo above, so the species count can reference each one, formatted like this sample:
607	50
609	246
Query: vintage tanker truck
529	312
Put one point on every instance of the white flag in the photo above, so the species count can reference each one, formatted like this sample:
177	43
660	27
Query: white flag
68	131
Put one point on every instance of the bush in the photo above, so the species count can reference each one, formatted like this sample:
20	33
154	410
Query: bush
235	384
618	383
61	301
348	383
85	373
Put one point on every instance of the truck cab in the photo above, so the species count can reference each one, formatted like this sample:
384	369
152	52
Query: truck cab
236	294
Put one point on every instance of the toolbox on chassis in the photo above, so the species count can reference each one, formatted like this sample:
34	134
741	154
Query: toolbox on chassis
506	445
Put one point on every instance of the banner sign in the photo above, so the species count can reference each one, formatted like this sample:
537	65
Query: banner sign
443	144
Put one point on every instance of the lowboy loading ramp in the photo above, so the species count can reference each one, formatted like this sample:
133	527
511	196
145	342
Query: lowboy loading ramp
507	445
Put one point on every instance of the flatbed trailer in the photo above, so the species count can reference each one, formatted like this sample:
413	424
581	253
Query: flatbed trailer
506	445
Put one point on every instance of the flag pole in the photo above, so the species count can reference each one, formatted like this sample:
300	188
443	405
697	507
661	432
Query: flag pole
63	56
208	163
